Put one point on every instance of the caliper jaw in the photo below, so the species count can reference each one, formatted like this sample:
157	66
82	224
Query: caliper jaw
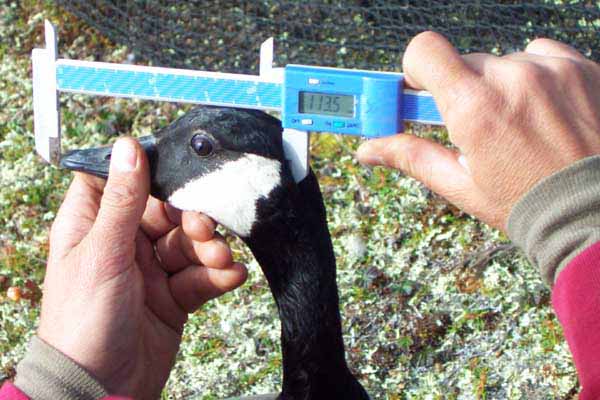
295	142
46	112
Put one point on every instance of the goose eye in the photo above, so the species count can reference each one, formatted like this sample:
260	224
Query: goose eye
202	145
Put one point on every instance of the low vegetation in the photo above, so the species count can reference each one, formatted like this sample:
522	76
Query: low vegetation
435	304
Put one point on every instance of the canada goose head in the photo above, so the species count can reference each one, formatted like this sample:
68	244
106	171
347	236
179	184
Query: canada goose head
214	160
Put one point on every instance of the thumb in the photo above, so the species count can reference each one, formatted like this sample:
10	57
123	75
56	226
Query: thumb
437	167
124	198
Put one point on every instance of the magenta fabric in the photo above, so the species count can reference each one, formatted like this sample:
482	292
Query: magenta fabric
11	392
576	300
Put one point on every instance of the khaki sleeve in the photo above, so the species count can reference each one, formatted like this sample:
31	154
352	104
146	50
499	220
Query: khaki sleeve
47	374
559	217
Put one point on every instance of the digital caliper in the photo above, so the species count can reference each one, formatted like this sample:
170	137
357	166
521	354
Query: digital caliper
310	99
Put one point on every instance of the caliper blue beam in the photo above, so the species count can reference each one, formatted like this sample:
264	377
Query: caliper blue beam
231	90
420	107
163	84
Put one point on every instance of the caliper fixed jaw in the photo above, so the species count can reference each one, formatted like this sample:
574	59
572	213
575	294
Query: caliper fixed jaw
46	111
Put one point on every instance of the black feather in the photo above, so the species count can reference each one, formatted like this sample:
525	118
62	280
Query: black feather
289	239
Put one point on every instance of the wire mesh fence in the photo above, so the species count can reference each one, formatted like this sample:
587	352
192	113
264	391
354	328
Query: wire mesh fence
225	34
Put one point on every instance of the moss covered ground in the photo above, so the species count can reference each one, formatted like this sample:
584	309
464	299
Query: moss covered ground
435	304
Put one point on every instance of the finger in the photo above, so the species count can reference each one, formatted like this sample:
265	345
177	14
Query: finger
431	63
198	226
173	213
196	285
176	251
436	166
158	293
75	217
124	198
156	221
552	48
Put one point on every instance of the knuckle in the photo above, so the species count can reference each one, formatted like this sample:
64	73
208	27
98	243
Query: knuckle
566	68
409	158
538	44
528	74
522	80
204	227
471	106
238	276
425	38
117	259
471	99
120	196
418	45
121	254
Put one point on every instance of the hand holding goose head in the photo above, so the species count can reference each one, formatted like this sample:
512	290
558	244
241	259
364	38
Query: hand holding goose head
229	164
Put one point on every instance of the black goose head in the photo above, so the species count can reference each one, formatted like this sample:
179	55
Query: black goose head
219	161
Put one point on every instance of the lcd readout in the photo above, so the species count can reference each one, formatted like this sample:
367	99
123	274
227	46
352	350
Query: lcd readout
326	104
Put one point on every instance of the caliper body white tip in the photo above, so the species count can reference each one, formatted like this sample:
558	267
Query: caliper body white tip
296	149
267	72
46	120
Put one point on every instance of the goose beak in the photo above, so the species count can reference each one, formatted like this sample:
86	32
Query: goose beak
96	161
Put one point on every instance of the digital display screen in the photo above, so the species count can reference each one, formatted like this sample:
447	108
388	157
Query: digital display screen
326	104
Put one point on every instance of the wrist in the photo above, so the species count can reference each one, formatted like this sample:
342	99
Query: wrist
559	217
46	373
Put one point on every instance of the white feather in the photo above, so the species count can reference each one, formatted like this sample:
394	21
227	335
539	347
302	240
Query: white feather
229	194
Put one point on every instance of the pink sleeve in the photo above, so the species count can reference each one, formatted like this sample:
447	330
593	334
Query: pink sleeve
576	300
8	391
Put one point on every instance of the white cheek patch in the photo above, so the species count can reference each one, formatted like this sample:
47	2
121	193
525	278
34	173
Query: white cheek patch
229	194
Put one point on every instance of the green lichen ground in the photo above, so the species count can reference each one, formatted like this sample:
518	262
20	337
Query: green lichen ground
427	313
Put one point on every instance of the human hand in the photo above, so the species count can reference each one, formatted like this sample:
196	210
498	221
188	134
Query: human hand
111	302
514	119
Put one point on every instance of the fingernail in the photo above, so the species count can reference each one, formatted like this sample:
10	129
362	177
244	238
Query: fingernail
124	156
367	155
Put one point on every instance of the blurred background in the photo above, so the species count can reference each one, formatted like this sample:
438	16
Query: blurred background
435	305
